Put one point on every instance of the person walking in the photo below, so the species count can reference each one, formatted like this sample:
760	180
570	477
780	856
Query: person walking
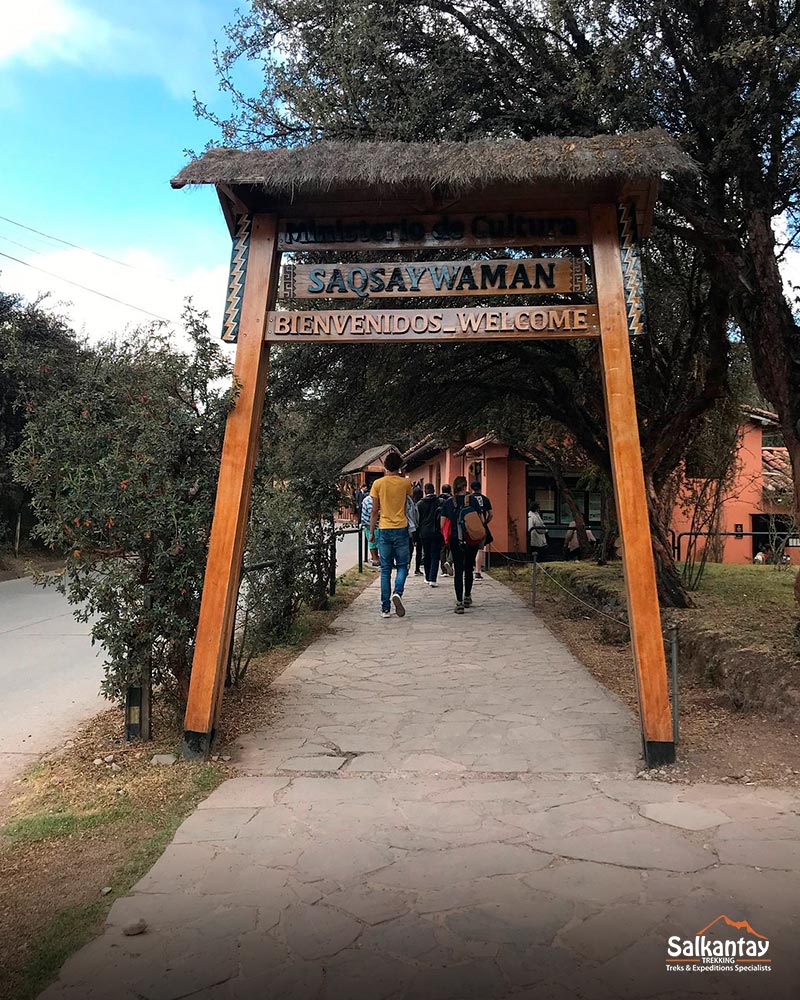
389	496
465	539
430	534
417	495
572	543
484	505
361	494
371	536
446	559
537	531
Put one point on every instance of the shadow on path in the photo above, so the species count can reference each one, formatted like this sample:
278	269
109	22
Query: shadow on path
448	809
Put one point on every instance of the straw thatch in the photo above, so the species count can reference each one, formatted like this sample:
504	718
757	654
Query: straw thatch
327	165
369	457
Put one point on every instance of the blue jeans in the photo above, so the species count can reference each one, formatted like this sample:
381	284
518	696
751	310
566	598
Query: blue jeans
395	550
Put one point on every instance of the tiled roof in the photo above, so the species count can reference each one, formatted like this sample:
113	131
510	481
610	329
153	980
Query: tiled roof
777	472
481	442
762	416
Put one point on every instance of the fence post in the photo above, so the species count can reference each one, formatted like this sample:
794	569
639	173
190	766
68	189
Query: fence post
673	657
332	585
360	549
533	580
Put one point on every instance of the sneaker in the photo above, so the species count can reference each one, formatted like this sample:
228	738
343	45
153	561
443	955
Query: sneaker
448	568
417	572
399	607
467	602
432	583
478	576
386	614
459	609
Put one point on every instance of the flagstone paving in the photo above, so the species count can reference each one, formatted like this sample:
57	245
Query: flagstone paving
448	809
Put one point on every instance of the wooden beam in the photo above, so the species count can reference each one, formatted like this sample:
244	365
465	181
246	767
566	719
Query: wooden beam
629	489
220	588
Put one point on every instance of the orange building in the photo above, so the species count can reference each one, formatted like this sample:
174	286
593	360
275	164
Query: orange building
757	507
759	498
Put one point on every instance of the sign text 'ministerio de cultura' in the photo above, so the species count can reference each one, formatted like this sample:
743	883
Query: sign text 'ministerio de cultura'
490	229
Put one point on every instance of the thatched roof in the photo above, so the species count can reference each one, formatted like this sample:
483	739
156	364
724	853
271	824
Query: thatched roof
324	166
367	458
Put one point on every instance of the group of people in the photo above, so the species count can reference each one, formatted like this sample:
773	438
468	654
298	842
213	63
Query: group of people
447	530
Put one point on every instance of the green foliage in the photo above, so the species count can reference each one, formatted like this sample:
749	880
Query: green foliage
288	549
120	455
26	331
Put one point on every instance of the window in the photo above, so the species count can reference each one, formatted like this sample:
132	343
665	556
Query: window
545	496
772	438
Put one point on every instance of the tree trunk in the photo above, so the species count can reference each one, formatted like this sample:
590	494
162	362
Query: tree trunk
773	338
671	590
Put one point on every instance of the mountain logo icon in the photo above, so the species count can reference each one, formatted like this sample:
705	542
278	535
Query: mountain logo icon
739	925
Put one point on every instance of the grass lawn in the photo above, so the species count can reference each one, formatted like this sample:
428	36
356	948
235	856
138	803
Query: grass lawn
82	826
754	602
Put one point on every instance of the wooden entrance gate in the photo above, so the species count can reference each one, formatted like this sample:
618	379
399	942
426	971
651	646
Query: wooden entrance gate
582	202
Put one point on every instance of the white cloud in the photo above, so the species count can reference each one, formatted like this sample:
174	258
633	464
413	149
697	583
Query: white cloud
40	32
169	41
147	283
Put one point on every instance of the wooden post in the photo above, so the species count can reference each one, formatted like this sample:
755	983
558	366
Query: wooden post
629	490
221	584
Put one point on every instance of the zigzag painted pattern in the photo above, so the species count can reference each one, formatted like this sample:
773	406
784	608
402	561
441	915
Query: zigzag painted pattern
631	269
237	275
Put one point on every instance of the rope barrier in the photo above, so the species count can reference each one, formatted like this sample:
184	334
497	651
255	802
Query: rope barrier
591	607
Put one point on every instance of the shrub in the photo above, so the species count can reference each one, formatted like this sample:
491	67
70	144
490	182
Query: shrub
121	456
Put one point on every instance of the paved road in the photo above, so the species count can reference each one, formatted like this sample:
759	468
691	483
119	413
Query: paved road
346	553
49	674
448	809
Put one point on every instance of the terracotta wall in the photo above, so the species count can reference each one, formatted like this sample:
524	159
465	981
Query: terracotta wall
742	501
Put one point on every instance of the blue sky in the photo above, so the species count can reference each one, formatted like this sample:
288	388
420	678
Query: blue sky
95	112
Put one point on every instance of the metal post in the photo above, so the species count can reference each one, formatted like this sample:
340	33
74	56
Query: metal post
673	650
360	549
137	712
533	580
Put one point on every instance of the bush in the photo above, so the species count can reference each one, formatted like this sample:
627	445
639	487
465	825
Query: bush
120	457
289	552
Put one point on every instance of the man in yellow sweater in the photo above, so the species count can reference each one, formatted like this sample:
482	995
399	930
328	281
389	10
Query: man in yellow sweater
389	516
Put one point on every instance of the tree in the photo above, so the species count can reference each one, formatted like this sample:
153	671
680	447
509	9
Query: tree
26	330
120	454
723	77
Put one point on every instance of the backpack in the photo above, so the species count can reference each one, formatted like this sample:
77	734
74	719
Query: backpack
471	527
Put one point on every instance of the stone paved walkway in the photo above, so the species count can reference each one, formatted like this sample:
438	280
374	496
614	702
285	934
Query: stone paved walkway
448	809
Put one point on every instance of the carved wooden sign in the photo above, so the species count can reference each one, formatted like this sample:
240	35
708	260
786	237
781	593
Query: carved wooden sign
491	229
395	325
536	276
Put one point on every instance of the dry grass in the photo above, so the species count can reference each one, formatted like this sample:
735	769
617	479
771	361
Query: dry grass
323	166
717	743
97	813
